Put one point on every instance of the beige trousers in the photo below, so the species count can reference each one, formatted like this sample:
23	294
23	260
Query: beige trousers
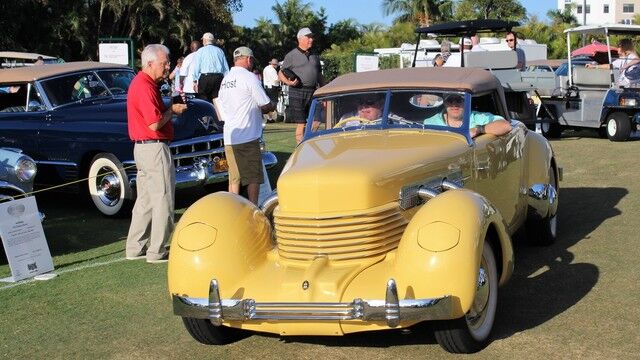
152	216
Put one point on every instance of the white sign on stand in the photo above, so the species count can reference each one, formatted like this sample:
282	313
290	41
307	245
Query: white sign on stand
23	238
367	63
114	53
265	187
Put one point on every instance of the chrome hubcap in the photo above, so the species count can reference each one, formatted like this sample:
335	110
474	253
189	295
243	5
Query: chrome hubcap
108	187
476	314
612	127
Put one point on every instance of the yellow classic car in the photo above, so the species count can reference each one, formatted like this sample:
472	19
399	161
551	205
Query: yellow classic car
383	218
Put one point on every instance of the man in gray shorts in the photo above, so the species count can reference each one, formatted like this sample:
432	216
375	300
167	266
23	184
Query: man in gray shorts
306	66
241	103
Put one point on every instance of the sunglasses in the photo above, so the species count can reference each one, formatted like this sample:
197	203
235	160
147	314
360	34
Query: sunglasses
511	40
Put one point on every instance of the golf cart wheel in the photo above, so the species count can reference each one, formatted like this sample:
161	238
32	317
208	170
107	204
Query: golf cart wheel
618	126
551	130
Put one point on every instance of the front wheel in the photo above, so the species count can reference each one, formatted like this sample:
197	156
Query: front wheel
618	126
108	185
470	333
203	331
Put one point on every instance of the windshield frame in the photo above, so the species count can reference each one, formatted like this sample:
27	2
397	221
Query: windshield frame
384	123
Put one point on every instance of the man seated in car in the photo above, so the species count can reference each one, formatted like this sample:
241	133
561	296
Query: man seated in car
480	122
370	107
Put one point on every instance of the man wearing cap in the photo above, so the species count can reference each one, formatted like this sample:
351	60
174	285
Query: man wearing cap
455	59
240	104
150	127
479	122
306	67
271	83
186	78
209	67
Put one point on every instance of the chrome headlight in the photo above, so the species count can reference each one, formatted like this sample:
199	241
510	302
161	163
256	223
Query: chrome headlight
628	102
25	169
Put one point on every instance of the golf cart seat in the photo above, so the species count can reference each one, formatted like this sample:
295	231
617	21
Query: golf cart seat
591	78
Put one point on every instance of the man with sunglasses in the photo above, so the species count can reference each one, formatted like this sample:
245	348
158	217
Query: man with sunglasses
512	41
480	122
369	107
240	104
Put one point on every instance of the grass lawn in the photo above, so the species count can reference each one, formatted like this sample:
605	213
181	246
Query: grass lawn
576	299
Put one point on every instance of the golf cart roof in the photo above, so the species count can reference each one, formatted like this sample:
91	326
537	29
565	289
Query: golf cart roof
610	29
468	27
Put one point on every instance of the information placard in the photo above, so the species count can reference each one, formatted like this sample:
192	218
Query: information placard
366	62
23	239
114	53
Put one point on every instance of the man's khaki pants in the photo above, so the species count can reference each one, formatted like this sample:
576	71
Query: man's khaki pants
152	216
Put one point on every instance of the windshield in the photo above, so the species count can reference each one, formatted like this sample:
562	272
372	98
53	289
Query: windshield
387	109
86	85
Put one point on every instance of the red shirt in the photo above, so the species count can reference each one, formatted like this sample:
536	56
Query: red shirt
145	107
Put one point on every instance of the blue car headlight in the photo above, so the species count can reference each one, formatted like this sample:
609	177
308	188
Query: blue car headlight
25	169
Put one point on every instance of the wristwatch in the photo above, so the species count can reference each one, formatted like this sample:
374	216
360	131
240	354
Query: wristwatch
480	130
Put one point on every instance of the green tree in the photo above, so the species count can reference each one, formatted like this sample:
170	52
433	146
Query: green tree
420	12
563	16
490	9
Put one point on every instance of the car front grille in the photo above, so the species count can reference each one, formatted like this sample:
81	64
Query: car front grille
362	234
197	150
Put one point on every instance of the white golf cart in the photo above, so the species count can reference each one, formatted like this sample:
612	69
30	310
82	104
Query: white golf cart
589	97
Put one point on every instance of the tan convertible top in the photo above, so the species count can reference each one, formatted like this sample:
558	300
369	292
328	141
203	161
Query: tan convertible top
469	79
30	73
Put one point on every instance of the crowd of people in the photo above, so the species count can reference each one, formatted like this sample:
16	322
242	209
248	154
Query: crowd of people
240	99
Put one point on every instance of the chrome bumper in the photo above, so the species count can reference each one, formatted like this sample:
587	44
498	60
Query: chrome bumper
391	310
203	173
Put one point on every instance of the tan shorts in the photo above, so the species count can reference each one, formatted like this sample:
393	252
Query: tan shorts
245	163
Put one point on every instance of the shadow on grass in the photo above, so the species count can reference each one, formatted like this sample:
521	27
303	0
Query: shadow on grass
546	282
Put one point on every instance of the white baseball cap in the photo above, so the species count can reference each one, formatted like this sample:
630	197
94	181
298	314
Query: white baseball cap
305	31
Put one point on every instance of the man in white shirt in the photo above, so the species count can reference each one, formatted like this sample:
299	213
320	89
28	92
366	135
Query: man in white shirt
455	59
185	74
240	104
271	86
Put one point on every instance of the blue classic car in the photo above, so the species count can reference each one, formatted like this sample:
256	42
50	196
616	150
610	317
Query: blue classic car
71	119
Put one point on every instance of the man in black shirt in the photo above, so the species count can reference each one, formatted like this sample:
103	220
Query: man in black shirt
306	67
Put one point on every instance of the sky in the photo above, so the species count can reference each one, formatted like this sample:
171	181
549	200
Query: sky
363	11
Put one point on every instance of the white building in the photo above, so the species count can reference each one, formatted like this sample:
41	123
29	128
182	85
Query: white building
597	12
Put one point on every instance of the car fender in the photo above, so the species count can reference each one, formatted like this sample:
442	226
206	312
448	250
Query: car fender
442	245
222	235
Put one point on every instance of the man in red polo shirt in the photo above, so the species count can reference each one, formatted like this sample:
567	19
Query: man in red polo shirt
150	127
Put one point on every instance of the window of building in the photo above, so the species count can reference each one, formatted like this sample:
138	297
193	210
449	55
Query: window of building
579	9
588	9
627	8
605	9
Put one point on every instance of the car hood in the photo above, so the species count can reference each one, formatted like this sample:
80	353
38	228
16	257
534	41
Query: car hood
364	169
198	120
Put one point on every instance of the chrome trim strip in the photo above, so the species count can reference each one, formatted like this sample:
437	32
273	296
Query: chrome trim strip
390	310
269	204
56	163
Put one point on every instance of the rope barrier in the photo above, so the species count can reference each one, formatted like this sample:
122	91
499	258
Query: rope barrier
69	183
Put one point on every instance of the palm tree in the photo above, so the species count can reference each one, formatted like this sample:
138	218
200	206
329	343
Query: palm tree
423	12
562	16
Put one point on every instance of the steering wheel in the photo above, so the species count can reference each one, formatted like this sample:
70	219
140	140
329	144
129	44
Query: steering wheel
114	91
342	122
